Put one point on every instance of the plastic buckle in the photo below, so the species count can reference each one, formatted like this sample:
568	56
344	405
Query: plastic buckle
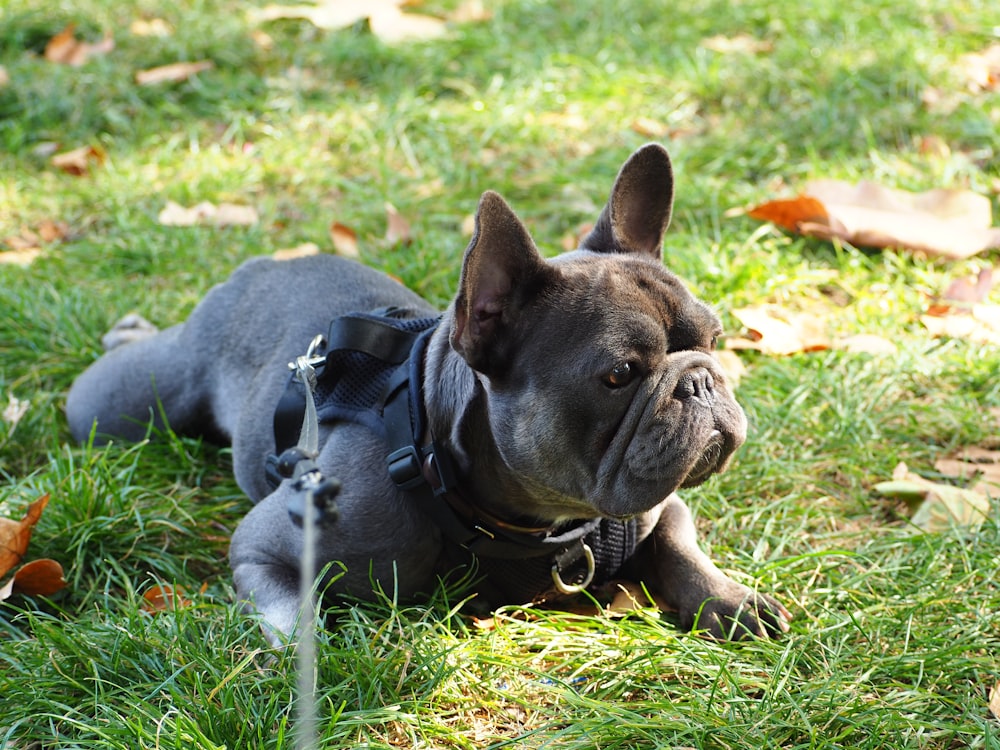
405	468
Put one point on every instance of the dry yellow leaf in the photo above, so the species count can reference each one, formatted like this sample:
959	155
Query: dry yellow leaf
345	240
741	43
172	73
774	330
386	20
299	251
979	324
205	213
650	128
151	27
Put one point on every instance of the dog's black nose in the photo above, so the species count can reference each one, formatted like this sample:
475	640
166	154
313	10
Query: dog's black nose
696	383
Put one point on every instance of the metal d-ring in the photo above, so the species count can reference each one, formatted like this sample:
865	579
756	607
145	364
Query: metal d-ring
310	359
575	588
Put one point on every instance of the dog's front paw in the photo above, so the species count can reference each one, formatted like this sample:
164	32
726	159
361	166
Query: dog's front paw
130	328
738	612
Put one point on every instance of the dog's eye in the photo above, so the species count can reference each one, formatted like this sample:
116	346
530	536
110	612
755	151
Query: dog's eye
621	375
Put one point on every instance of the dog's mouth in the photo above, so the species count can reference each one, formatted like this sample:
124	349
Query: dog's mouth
711	460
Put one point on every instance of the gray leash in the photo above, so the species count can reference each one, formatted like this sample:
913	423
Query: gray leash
313	505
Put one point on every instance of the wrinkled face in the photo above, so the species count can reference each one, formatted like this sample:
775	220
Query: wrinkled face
613	401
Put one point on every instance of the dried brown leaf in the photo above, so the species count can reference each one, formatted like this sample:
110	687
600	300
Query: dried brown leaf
946	223
791	213
78	161
994	704
39	578
15	535
939	507
964	291
397	230
345	240
172	73
66	49
164	597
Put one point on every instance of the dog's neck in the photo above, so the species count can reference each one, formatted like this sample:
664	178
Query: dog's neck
457	414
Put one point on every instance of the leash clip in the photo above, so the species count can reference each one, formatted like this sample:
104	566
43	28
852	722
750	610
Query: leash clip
304	366
575	588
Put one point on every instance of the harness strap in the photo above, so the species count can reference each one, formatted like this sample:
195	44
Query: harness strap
423	467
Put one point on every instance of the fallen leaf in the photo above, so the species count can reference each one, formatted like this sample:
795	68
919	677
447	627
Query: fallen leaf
345	240
15	535
939	507
791	213
39	578
947	223
974	463
774	330
23	257
78	161
299	251
14	411
66	49
934	146
865	343
964	291
994	704
386	20
393	26
741	43
468	227
150	27
164	597
262	39
470	11
649	128
982	69
172	73
979	324
206	213
397	229
4	76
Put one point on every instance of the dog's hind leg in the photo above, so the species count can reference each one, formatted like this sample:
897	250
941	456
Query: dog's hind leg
146	376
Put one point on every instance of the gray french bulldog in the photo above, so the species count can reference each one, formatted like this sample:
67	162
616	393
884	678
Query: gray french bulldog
570	399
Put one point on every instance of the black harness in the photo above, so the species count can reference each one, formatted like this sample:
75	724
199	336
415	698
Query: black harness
369	371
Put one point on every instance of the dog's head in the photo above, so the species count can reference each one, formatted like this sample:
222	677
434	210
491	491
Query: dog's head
601	391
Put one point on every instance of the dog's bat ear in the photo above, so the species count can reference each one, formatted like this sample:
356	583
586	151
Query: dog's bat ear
501	270
638	212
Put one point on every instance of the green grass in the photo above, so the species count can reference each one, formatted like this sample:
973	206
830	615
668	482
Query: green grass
896	636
